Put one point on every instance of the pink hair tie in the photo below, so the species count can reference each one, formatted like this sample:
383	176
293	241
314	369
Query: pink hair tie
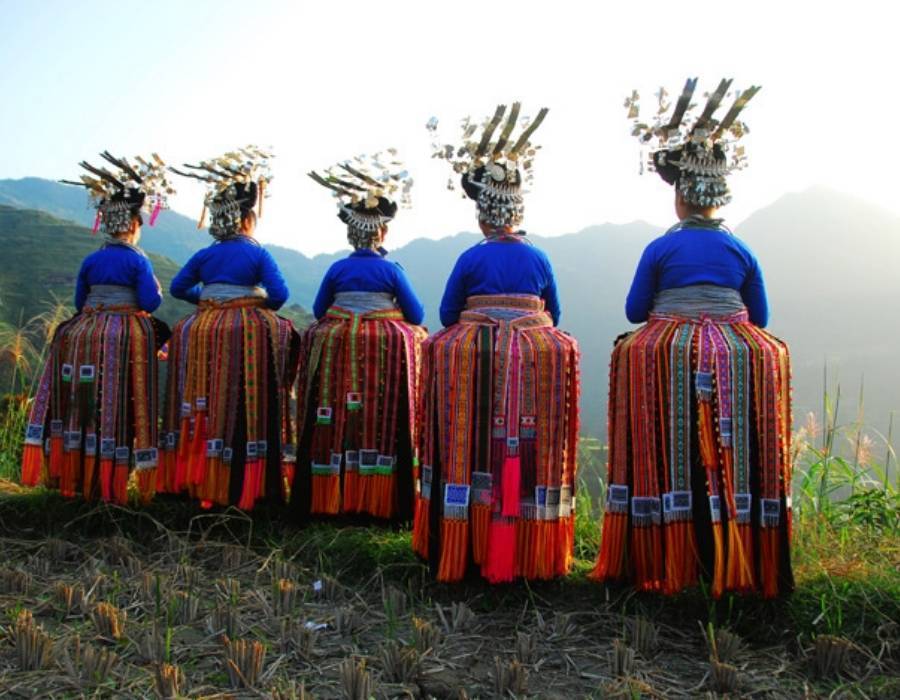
155	213
96	223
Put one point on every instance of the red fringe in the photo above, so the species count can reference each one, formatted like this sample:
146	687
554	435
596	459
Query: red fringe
681	556
770	551
197	455
647	555
68	477
454	550
182	457
718	578
510	485
120	484
90	475
288	470
611	560
252	480
56	456
32	464
420	528
146	483
223	483
326	494
106	479
500	563
481	520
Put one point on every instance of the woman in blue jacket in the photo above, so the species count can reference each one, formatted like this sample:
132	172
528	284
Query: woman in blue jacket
228	438
98	392
358	387
699	401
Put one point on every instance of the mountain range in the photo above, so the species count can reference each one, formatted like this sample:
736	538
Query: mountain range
831	262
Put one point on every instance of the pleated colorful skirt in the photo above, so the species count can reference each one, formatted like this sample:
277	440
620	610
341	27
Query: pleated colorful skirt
499	440
356	406
699	458
93	424
227	435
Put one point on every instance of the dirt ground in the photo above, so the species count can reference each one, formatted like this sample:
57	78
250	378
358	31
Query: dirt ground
214	609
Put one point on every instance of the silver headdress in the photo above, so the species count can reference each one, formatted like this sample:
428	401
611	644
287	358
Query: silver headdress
123	193
492	170
368	189
694	152
237	182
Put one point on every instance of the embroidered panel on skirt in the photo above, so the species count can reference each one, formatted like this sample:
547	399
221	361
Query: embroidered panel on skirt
499	443
227	435
93	425
356	414
699	457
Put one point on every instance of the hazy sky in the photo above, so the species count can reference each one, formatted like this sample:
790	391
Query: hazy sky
323	81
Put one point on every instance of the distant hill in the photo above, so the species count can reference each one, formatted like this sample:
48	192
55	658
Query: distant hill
830	261
42	261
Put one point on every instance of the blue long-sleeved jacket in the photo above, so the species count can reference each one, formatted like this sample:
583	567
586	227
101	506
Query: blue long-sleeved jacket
507	265
367	270
688	256
240	261
122	265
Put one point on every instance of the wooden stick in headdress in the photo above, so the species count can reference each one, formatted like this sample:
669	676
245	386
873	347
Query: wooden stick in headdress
489	131
681	106
102	173
202	178
362	176
523	139
121	164
735	110
322	181
712	104
508	129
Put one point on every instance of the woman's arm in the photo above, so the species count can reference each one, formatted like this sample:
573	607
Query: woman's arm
149	292
753	292
407	299
272	280
550	295
81	288
325	295
643	288
455	293
186	284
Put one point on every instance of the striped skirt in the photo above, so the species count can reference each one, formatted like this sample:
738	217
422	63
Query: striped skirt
356	415
699	458
227	436
93	423
499	444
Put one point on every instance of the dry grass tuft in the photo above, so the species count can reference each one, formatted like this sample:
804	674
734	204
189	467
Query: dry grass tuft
224	619
244	661
560	627
401	663
347	621
395	601
234	557
13	581
526	648
724	676
229	590
167	681
356	681
727	645
510	678
460	618
327	588
188	576
34	648
621	659
426	636
643	635
285	596
71	598
184	607
290	690
109	621
89	663
830	655
285	569
153	645
299	637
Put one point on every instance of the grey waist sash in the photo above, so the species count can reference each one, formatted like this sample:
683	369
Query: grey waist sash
363	302
698	300
110	295
220	291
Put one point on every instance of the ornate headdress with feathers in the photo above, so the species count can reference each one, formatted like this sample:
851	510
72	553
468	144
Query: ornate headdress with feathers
236	183
491	164
123	192
694	152
368	189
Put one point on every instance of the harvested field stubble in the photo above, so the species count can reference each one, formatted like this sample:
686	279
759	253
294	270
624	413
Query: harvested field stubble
222	604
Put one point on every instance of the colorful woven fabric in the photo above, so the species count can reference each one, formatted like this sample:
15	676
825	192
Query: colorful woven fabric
227	435
499	443
93	424
356	414
699	458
